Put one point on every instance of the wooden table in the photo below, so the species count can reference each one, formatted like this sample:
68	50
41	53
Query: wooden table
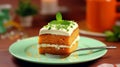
7	60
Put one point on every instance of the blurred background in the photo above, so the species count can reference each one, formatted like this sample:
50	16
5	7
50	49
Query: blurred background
71	9
25	17
14	12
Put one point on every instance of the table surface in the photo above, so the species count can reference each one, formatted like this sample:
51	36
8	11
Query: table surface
7	60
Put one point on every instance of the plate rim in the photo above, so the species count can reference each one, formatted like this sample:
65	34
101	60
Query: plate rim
92	33
33	61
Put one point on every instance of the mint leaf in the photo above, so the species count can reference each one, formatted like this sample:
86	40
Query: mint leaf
54	22
58	16
60	24
65	22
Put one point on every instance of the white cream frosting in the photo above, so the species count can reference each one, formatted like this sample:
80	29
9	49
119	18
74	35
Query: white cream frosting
59	46
55	31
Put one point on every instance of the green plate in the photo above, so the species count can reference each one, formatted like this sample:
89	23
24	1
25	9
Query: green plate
27	50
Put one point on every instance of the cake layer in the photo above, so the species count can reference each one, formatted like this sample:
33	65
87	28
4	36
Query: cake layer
58	39
58	46
61	51
59	29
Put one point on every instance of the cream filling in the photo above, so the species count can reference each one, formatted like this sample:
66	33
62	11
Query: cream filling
59	32
59	46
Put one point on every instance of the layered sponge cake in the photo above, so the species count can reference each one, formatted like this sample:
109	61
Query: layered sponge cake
59	37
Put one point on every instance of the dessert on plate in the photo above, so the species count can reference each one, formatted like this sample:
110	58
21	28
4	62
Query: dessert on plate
58	37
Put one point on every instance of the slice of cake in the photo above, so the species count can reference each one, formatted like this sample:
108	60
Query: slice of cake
59	37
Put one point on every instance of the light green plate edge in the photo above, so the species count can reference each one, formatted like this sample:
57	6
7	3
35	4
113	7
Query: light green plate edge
26	49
